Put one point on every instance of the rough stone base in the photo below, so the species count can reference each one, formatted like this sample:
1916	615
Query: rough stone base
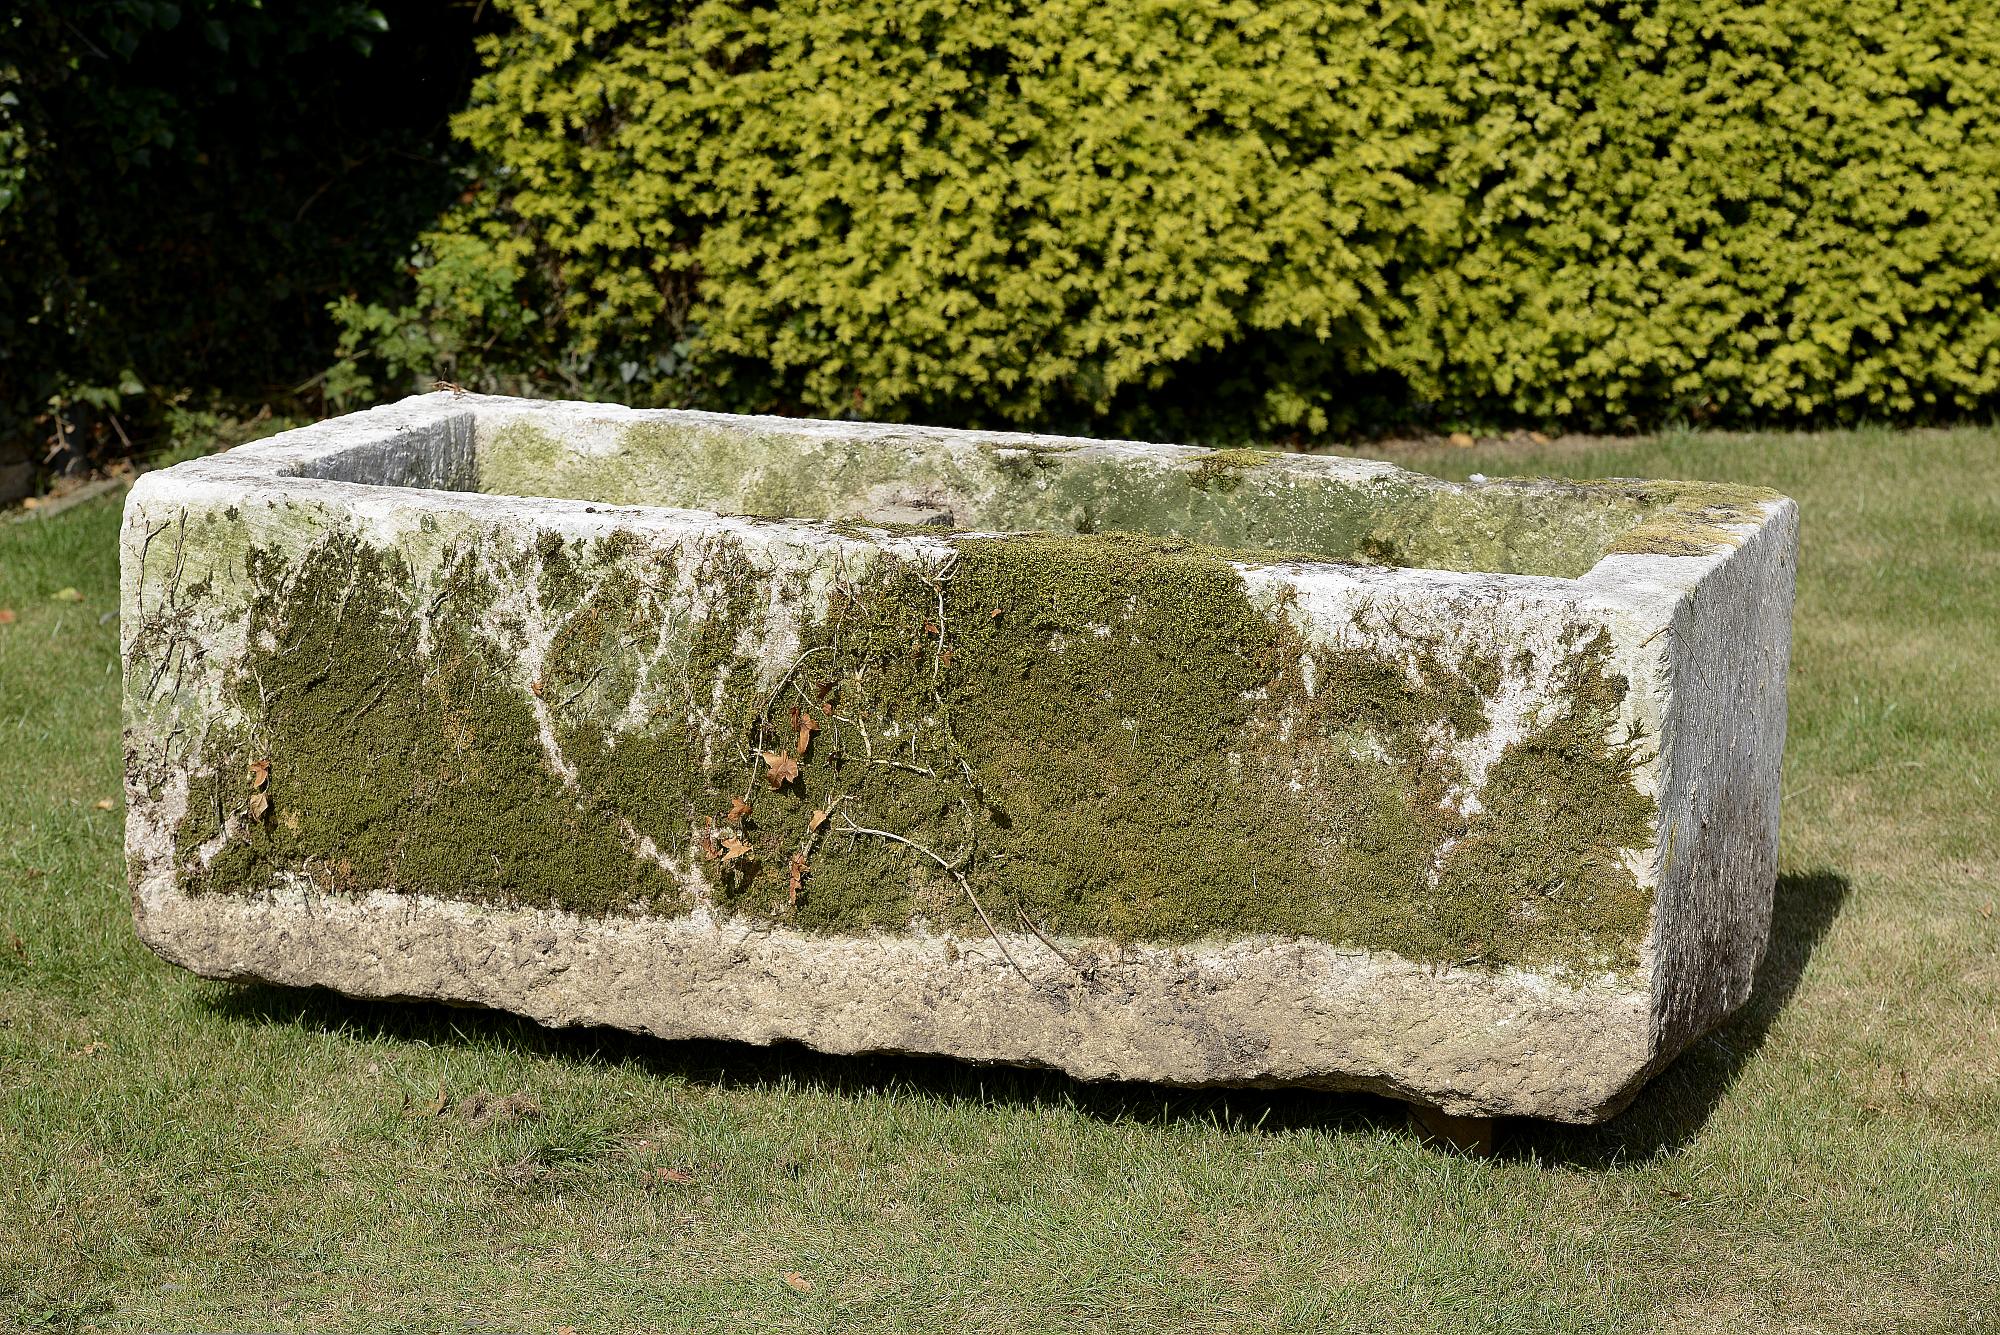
1250	1012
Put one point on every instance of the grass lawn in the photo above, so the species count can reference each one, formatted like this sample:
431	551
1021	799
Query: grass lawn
183	1155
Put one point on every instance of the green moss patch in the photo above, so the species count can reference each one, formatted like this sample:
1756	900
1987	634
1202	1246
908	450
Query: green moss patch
1096	736
390	767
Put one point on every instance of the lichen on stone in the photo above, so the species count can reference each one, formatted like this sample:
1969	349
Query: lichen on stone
1244	499
1692	518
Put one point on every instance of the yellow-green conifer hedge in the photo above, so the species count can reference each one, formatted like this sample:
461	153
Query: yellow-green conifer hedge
1259	216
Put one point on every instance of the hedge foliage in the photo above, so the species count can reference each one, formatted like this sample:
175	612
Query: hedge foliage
1231	217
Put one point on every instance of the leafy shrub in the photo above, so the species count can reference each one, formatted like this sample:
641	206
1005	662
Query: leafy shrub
1230	217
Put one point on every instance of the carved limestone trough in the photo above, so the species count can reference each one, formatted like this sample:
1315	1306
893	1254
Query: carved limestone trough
1137	761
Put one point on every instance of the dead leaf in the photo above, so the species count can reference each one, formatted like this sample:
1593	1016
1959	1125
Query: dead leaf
560	1330
994	613
489	1109
779	768
680	1175
808	725
738	809
91	1049
796	881
818	819
705	840
734	848
931	627
944	659
67	595
821	691
535	688
259	806
104	804
797	1281
436	1107
260	773
6	616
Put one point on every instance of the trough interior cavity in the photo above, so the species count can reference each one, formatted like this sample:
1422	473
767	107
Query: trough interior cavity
1257	503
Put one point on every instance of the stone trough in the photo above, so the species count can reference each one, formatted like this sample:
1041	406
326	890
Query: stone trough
1136	761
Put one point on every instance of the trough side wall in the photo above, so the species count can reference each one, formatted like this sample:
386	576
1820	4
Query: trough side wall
1731	638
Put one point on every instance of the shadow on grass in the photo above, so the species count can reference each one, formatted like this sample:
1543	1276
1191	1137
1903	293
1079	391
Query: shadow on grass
1667	1114
1671	1110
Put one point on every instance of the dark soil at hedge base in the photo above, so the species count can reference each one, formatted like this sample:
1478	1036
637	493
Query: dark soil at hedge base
1102	733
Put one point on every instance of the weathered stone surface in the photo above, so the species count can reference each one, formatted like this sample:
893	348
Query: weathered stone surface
1136	761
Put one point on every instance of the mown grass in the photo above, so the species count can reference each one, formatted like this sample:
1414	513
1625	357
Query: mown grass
183	1155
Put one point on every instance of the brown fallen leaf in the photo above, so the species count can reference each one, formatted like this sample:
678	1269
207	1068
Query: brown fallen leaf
994	613
104	804
821	691
796	881
808	725
6	616
560	1330
944	659
797	1281
489	1109
91	1049
738	809
260	773
436	1107
779	768
818	819
734	848
535	688
259	806
680	1175
931	627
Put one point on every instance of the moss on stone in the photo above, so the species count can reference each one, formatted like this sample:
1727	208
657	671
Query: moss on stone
1692	518
390	768
1106	736
1103	735
1221	468
1544	858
